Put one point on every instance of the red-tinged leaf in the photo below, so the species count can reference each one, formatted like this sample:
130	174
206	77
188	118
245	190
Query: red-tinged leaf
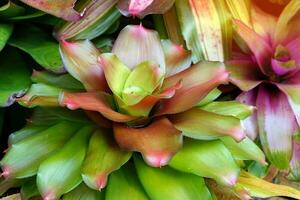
287	25
263	23
101	102
243	73
275	120
81	61
103	157
142	8
157	142
204	125
177	58
63	9
133	40
293	48
257	44
250	123
197	82
60	172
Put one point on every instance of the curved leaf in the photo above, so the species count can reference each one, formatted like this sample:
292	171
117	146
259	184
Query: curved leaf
103	157
167	183
17	163
209	159
38	44
200	124
60	172
14	76
157	142
81	61
63	9
125	181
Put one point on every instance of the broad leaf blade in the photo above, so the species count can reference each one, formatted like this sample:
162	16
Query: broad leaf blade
125	181
208	159
103	157
167	183
43	49
61	172
14	76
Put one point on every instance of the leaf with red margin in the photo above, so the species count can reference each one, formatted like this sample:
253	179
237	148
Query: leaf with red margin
197	82
81	61
157	142
244	73
63	9
142	8
257	44
92	101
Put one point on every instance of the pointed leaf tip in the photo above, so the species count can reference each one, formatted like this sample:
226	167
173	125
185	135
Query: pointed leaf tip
133	40
142	8
81	61
157	142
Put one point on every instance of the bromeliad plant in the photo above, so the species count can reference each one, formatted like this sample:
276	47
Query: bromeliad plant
146	97
142	97
269	76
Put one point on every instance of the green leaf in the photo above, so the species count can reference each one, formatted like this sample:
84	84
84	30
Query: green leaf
65	81
244	150
8	183
116	73
1	120
229	108
125	181
99	16
167	183
41	95
137	88
14	76
103	157
209	159
10	9
45	116
82	192
19	162
41	46
200	124
61	172
24	133
105	44
5	33
212	95
29	189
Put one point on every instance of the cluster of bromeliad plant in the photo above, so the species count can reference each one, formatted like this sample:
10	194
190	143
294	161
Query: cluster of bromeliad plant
178	110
